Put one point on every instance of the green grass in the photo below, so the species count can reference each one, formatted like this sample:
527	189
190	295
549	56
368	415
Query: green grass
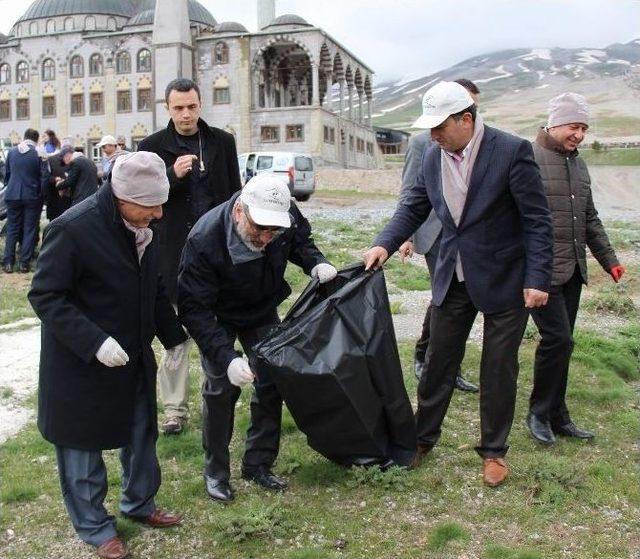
439	510
572	500
14	304
611	156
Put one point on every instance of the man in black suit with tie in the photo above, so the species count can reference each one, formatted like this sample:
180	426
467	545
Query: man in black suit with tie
495	257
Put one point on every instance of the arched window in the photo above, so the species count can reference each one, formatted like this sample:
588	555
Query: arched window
77	66
221	53
90	23
123	62
48	70
95	65
68	24
33	28
22	72
51	26
111	24
144	60
5	73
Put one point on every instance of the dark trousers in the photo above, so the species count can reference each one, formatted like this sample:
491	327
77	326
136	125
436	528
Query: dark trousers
555	322
219	401
83	479
450	326
23	217
423	343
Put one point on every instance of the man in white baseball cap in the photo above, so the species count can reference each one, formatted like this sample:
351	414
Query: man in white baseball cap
440	102
495	257
109	146
230	284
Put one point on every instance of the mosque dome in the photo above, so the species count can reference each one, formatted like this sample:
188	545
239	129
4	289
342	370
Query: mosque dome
123	8
52	8
288	20
143	18
230	27
197	12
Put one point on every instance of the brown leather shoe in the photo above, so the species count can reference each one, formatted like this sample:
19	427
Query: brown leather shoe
159	519
422	451
113	549
494	471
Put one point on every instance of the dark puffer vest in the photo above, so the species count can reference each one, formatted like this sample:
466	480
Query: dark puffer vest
576	224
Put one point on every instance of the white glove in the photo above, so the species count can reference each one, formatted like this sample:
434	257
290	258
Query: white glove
173	356
324	272
239	372
111	354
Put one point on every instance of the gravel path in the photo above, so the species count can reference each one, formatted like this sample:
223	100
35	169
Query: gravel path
19	354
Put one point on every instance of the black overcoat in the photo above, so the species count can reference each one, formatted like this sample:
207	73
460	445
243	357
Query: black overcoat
82	179
89	285
190	198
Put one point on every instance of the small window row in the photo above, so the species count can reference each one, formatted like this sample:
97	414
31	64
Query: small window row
76	66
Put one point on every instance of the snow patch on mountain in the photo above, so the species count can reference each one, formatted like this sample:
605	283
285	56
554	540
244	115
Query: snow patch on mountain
591	56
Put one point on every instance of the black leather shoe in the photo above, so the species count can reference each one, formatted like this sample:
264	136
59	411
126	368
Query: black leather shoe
262	475
24	268
464	385
540	429
418	368
218	490
8	269
571	430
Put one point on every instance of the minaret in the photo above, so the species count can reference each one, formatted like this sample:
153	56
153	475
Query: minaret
266	13
172	51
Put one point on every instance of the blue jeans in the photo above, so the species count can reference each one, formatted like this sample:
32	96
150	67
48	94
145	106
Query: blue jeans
23	217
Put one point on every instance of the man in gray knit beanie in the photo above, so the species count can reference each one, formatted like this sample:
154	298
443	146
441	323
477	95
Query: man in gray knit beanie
576	226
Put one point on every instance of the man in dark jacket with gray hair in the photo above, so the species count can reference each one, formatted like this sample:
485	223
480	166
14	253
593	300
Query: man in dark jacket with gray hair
576	225
101	302
230	284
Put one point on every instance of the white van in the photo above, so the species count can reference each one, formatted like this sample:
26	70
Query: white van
297	168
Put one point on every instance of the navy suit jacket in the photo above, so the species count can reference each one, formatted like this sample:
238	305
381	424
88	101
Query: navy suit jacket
26	175
505	235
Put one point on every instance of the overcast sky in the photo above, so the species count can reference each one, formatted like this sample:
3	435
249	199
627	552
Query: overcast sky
400	38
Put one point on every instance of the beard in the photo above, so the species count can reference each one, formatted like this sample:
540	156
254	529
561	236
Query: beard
242	227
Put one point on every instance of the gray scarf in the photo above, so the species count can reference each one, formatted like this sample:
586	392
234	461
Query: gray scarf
143	235
456	180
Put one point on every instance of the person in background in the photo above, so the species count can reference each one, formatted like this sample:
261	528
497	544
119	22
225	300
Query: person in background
101	302
202	167
122	143
82	177
576	225
51	142
57	201
108	145
26	177
426	240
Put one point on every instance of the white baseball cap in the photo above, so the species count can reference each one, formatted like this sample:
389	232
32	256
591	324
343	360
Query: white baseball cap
268	198
440	102
107	141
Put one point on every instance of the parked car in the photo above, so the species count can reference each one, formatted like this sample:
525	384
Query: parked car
297	168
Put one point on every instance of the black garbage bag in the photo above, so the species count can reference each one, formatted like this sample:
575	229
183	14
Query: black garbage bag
335	361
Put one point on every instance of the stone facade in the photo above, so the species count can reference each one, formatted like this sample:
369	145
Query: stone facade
287	87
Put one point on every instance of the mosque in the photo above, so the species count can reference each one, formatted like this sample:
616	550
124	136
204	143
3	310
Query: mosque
86	68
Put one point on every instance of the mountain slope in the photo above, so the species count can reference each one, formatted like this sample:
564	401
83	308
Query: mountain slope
516	85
